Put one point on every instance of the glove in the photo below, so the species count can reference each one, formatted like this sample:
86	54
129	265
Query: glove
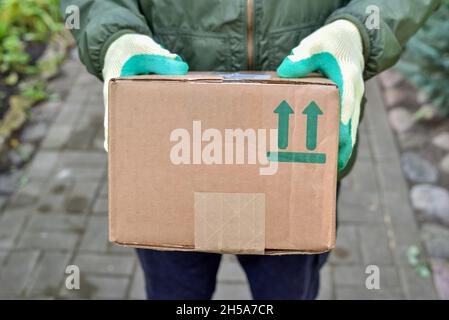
135	54
336	51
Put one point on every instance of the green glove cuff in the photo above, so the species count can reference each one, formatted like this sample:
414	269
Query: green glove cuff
150	63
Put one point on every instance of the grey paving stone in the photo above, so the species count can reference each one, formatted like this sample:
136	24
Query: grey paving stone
10	182
364	193
390	177
70	112
397	207
363	151
92	117
51	203
326	284
81	138
104	190
355	276
234	291
383	148
11	224
359	206
98	287
42	164
57	136
61	182
58	240
350	293
16	271
347	250
88	174
45	111
357	213
82	159
98	142
100	206
375	245
379	132
349	275
27	196
80	198
382	143
95	238
3	201
55	191
34	132
230	271
95	100
60	85
48	275
366	176
3	255
137	291
105	264
56	222
403	225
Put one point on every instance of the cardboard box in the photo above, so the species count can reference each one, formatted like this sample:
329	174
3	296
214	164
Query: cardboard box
230	163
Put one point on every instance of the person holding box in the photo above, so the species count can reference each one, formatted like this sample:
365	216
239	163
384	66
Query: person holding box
348	41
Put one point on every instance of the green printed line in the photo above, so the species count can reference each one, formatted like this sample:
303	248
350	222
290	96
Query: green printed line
302	157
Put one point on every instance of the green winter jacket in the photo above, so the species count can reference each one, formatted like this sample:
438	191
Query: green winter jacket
232	35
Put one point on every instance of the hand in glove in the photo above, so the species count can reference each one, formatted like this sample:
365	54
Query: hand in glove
336	51
135	54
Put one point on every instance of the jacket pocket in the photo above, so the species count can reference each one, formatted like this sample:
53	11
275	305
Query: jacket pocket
202	51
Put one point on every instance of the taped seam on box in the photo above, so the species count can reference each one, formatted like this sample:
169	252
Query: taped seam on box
230	222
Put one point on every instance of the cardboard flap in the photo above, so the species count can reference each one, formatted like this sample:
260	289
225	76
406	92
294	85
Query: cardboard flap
203	76
244	76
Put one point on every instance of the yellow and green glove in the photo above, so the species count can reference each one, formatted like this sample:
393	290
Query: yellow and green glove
336	51
135	54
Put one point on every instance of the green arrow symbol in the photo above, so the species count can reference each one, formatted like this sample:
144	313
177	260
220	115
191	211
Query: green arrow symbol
284	111
312	112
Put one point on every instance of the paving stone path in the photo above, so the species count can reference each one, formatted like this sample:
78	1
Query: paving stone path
58	217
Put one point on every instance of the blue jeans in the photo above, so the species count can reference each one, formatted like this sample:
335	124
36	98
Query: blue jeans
192	275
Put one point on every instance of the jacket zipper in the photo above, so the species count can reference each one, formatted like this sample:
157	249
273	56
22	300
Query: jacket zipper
249	34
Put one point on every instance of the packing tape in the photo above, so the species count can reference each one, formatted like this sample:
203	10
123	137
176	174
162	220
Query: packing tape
230	222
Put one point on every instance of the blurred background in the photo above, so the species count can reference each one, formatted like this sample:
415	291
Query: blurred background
393	210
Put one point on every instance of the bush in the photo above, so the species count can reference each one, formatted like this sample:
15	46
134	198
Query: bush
23	22
426	60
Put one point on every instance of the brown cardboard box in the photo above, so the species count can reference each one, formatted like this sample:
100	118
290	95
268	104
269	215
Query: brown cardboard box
235	163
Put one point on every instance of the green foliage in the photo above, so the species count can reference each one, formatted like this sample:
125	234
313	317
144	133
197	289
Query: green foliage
27	27
426	60
35	91
21	22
